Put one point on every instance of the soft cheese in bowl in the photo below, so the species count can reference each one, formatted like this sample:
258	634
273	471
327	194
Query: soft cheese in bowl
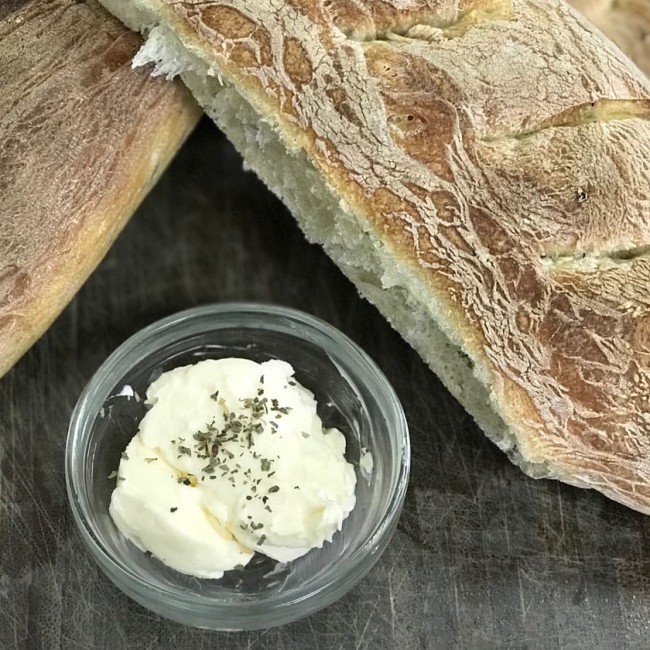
237	466
231	459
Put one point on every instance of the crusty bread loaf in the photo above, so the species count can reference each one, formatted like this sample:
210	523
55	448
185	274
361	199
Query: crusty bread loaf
626	22
480	169
82	138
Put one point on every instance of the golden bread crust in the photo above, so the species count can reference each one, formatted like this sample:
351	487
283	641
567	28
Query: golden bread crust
499	150
82	139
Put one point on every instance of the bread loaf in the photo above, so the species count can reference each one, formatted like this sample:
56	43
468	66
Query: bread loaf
626	22
82	138
480	170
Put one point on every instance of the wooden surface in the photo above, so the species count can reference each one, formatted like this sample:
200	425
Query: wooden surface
82	139
484	557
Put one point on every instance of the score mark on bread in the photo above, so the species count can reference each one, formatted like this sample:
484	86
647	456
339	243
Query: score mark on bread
446	172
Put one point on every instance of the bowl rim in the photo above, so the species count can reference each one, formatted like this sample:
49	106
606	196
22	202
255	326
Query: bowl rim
279	605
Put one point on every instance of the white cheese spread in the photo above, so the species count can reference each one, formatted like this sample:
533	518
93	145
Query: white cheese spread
231	459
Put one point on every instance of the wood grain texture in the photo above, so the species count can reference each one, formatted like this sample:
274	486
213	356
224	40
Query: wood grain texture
82	139
484	557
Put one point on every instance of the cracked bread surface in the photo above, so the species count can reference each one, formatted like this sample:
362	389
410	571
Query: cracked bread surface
480	171
626	22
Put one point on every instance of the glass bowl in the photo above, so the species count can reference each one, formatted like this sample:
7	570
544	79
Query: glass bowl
352	394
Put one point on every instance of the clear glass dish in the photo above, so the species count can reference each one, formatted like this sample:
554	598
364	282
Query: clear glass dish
352	394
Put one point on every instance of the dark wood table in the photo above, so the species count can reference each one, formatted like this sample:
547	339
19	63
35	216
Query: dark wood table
484	556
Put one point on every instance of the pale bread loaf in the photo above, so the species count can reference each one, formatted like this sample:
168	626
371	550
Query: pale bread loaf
480	171
82	139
